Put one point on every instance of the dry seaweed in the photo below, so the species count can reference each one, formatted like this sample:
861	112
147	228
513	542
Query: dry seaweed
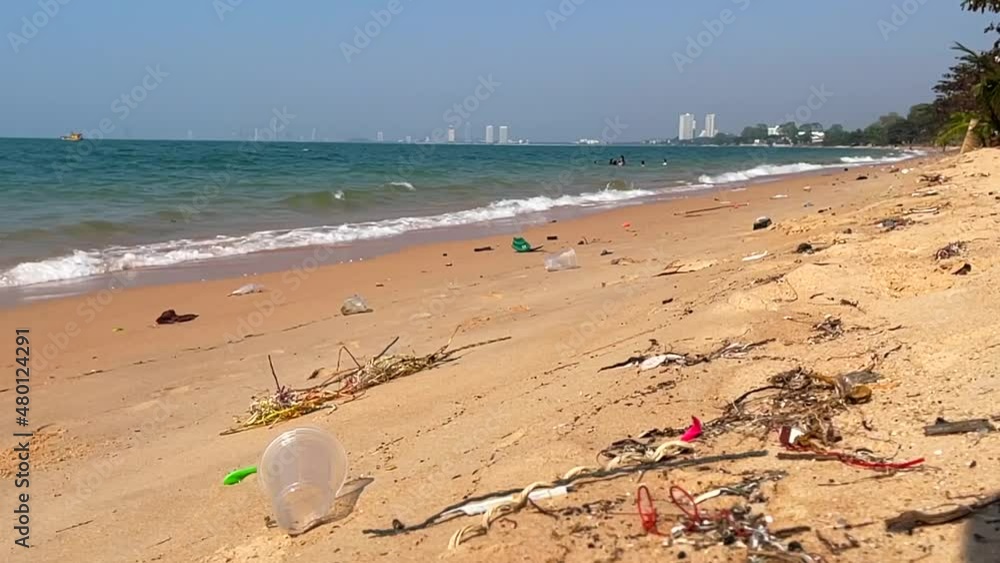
893	223
934	179
726	350
797	397
287	403
950	250
386	367
830	329
284	404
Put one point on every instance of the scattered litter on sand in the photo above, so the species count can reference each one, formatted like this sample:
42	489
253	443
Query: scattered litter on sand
913	519
804	248
762	222
830	329
355	305
170	317
565	260
950	250
754	257
247	289
726	205
779	196
482	249
893	223
933	179
964	270
652	359
942	427
665	456
678	267
737	526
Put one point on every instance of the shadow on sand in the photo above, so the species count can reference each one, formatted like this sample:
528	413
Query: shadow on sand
981	536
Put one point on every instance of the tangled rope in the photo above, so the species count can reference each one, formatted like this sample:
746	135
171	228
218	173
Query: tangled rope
521	499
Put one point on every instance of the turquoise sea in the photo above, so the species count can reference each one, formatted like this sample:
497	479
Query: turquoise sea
74	210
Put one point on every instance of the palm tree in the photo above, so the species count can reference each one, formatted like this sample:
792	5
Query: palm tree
967	127
985	91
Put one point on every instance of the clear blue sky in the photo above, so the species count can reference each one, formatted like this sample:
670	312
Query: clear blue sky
607	59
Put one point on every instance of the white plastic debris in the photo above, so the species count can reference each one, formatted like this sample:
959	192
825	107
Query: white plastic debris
753	257
354	305
653	362
480	507
247	289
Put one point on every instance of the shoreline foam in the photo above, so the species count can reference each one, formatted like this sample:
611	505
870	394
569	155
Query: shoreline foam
82	264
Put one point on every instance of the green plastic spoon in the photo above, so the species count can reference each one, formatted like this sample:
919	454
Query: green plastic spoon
239	475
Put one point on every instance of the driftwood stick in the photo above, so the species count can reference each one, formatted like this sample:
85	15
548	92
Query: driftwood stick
277	384
386	349
911	519
943	428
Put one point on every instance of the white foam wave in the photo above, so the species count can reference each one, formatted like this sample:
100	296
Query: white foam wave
878	160
339	194
82	264
406	185
759	172
778	169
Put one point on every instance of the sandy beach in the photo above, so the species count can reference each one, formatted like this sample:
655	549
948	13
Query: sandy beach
127	460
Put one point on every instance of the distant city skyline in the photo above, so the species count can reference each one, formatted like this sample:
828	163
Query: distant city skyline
710	128
686	127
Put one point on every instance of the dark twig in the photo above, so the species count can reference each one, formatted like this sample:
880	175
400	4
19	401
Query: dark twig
277	385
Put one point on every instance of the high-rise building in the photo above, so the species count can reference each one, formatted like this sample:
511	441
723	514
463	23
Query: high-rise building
686	127
710	129
451	134
409	139
379	137
468	132
504	134
489	134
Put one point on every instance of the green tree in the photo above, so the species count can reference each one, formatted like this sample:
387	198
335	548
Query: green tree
955	129
925	121
836	136
789	131
876	134
983	6
750	133
985	82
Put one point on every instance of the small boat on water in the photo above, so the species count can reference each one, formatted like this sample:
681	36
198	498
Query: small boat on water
73	137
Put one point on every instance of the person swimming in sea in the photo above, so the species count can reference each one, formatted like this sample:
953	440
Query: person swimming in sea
621	160
664	162
642	163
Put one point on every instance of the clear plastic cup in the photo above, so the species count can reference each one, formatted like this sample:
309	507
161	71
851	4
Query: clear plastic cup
302	471
565	260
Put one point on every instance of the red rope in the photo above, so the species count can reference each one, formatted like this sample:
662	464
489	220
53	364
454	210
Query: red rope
845	458
647	511
689	507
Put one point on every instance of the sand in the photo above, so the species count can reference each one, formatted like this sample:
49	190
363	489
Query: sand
128	461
